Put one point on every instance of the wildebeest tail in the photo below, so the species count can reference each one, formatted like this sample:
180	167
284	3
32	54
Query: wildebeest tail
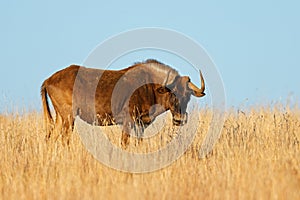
46	109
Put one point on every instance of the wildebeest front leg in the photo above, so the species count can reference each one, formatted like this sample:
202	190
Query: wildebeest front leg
125	134
139	130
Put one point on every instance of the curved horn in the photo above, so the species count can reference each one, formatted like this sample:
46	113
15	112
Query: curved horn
198	92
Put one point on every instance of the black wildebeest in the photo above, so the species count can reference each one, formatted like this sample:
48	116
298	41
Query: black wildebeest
152	83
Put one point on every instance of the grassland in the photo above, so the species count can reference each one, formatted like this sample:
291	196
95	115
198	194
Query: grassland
257	157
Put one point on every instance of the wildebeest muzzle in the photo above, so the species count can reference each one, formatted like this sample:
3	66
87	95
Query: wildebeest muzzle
180	119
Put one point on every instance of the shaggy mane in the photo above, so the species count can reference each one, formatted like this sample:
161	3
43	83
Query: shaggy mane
158	65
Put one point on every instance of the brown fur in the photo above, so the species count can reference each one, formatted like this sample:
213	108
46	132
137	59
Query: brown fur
98	99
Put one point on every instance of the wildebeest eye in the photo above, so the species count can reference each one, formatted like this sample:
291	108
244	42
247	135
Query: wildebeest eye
163	90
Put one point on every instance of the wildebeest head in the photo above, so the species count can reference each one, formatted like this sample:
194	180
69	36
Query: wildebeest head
178	94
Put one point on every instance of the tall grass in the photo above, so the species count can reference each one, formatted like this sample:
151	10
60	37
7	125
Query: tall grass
257	157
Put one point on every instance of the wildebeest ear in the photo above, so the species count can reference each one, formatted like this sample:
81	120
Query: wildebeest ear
163	90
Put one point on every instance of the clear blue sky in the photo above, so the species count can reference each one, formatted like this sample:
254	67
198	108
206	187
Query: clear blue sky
255	44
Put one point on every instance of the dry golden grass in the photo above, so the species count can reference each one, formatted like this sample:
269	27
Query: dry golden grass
257	157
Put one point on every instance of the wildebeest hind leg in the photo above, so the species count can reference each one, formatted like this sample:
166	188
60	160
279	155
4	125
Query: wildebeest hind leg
54	128
125	134
67	128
